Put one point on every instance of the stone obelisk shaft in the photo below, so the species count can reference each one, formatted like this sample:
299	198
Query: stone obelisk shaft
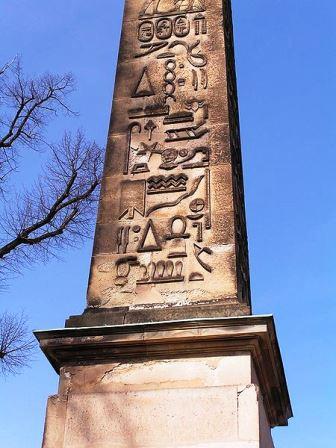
171	228
167	355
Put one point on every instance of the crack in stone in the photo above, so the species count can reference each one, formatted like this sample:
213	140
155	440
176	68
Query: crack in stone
108	372
245	388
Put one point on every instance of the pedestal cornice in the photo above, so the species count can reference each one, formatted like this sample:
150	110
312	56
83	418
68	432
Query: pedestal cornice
175	339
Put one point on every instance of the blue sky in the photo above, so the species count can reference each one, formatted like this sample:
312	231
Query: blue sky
285	54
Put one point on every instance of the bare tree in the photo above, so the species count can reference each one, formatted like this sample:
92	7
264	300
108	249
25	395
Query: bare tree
57	210
16	343
26	106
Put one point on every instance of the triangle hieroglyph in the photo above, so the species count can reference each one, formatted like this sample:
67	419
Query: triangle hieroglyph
144	86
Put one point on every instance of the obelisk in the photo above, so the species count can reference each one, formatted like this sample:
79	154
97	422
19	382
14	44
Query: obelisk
167	353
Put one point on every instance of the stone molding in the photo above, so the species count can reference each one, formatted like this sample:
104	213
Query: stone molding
179	339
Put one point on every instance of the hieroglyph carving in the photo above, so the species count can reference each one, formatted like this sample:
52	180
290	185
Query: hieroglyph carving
144	86
165	198
154	8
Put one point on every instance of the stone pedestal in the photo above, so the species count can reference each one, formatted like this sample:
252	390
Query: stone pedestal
201	383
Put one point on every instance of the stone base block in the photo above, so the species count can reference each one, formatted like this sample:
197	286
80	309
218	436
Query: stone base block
209	383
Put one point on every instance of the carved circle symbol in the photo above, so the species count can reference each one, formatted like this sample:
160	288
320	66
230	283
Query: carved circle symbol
170	64
164	28
146	31
169	77
181	26
197	205
136	229
170	89
183	152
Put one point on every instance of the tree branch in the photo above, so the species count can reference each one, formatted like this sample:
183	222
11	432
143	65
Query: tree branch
33	101
64	200
7	66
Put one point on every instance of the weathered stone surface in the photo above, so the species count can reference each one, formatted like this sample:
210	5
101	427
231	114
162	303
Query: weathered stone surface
171	225
124	315
187	384
55	421
142	344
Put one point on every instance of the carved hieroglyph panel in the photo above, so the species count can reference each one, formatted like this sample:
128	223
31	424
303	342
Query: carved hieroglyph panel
166	227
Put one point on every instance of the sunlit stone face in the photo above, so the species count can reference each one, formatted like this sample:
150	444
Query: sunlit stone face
171	225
